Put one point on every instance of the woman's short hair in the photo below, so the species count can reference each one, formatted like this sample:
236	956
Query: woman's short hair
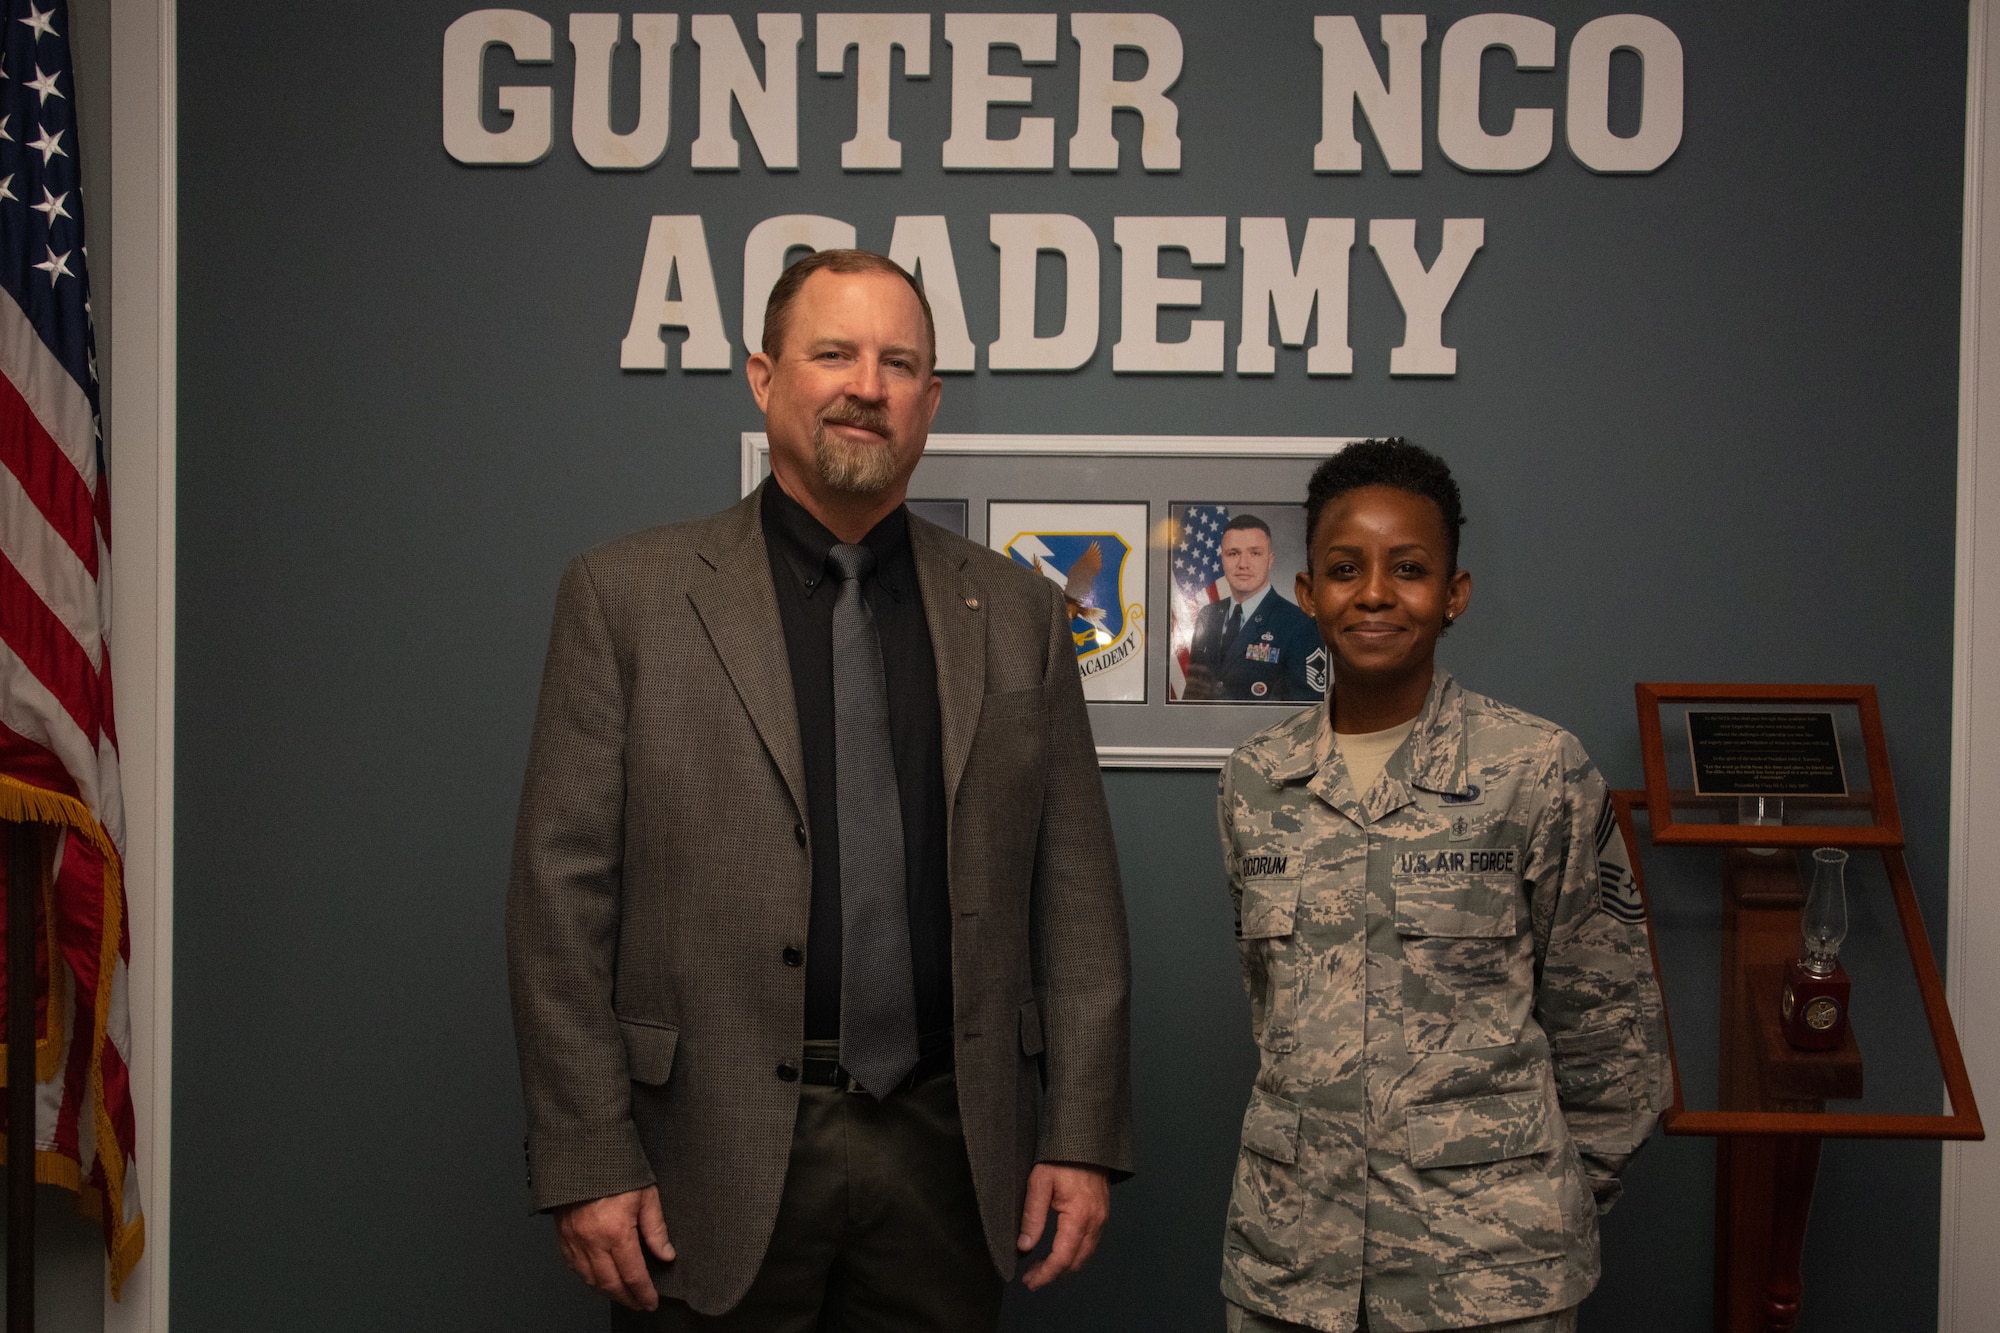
1388	462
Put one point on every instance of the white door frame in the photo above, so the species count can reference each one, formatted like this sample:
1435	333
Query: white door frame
140	435
1968	1279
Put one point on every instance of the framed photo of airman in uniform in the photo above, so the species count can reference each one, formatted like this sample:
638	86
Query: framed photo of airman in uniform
1238	635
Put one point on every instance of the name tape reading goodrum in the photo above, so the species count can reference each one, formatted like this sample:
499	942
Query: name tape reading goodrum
1277	281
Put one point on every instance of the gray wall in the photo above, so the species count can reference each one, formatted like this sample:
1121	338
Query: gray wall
1704	420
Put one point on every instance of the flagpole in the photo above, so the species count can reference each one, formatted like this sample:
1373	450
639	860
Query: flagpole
24	881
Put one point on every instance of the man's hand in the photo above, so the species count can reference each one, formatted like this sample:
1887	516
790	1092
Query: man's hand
600	1243
1081	1197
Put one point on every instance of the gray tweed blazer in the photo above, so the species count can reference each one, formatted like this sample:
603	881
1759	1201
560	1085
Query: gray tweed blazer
661	870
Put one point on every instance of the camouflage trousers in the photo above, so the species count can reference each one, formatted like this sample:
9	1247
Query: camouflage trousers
1241	1320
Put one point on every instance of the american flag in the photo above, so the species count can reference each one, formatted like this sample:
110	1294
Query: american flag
1197	581
58	747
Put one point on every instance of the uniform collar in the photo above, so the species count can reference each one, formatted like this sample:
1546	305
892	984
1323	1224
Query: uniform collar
1251	607
1436	753
1432	759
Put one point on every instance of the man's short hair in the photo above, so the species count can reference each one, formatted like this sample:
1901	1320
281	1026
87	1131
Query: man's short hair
777	310
1248	521
1390	462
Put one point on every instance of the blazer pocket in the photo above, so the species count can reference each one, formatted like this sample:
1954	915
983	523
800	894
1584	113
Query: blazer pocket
649	1050
1031	702
1031	1029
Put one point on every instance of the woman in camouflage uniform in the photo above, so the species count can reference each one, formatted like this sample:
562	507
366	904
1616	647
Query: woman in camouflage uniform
1460	1032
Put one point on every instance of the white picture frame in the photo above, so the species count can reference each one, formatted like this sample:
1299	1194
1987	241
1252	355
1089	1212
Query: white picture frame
1157	471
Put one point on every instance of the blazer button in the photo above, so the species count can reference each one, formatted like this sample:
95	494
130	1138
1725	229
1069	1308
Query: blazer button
793	958
799	832
788	1073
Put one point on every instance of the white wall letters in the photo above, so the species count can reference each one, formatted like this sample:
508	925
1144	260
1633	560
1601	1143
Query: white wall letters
1020	238
770	107
466	137
1293	293
595	37
1351	81
974	87
1093	147
873	36
1142	292
676	246
1588	124
1424	292
1317	286
1348	79
1272	286
1352	86
1460	135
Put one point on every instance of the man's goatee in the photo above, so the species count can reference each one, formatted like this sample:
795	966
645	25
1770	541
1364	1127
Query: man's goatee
858	469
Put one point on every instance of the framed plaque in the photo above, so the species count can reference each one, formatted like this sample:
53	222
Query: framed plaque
1761	752
1767	766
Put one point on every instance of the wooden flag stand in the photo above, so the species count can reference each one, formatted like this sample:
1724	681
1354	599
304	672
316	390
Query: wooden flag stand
24	880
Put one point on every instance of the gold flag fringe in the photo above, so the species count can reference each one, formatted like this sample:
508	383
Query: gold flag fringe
23	802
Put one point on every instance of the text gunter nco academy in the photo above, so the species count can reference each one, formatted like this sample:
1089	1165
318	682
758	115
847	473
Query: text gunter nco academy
494	115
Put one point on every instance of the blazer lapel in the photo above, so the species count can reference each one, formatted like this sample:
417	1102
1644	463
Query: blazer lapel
958	643
739	609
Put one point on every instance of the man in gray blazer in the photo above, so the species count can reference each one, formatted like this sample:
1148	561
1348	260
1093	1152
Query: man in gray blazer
730	1138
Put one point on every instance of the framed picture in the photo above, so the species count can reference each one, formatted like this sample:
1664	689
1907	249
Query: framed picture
1187	530
1097	554
1238	635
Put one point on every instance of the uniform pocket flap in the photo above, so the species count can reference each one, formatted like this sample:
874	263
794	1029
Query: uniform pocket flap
1596	1044
1482	1129
1031	1029
649	1050
1270	902
1466	905
1591	1059
1271	1127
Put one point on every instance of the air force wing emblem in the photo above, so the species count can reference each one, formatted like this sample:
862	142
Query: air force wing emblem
1316	671
1090	567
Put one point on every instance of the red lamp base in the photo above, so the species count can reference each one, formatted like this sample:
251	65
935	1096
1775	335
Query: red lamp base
1814	1009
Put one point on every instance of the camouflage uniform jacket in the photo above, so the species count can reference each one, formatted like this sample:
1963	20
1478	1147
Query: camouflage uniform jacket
1460	1032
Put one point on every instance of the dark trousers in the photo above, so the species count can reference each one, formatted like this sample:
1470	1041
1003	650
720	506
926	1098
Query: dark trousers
878	1230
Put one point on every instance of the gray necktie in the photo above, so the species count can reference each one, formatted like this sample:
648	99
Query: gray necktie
878	1002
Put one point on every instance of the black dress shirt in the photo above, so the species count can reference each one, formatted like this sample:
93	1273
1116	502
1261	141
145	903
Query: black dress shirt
798	544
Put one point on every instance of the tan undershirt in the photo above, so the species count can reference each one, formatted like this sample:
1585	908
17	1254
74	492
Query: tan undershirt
1367	752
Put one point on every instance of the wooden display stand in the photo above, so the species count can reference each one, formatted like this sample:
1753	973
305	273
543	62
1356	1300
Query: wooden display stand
1764	1184
1771	1112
